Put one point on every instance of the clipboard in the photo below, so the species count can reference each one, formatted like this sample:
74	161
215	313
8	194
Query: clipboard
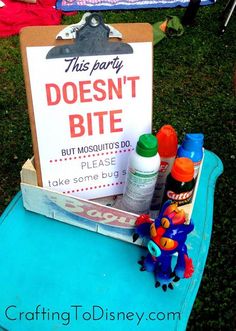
44	36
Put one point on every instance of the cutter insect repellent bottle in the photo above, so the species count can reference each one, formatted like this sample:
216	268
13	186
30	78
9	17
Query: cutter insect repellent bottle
192	147
180	182
143	167
167	149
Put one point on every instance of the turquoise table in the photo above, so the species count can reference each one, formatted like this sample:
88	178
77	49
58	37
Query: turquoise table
54	276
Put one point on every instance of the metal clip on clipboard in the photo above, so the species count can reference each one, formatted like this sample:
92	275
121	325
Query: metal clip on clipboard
91	39
69	32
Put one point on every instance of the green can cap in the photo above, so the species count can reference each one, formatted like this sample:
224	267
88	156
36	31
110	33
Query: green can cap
147	145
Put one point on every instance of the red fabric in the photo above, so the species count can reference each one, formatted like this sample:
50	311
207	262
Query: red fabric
16	15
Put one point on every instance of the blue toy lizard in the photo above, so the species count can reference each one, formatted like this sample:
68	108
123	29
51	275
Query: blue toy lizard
166	236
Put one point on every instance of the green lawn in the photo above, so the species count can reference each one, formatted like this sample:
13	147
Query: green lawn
193	91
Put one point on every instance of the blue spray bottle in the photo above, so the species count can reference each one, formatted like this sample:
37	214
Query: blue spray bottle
192	148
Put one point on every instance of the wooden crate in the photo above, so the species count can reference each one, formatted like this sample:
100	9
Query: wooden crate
99	215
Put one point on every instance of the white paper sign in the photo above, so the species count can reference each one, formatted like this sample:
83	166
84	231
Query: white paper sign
89	113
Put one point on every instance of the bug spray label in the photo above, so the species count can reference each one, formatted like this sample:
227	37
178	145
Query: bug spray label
140	187
182	198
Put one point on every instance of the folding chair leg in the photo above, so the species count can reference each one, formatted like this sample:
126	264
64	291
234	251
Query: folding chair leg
230	6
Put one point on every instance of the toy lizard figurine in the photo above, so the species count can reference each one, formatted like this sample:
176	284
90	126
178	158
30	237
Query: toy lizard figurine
167	235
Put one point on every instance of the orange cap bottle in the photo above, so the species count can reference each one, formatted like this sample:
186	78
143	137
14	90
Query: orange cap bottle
167	149
167	141
180	182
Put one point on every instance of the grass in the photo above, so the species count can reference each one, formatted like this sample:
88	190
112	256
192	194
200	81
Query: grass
193	91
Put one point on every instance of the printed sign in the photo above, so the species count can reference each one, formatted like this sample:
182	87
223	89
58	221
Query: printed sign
89	113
